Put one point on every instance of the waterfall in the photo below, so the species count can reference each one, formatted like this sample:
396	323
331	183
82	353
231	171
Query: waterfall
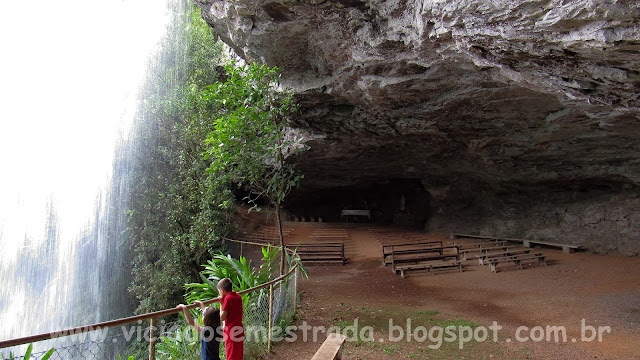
71	72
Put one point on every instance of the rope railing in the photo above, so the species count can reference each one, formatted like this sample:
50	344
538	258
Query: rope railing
242	242
148	316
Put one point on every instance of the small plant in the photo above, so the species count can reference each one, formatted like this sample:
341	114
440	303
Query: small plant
27	355
242	274
390	349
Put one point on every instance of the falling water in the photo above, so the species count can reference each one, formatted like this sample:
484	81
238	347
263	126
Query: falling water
70	74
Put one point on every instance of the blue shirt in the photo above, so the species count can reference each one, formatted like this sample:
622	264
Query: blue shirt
210	350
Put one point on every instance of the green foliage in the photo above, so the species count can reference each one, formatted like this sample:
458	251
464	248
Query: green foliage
136	350
250	142
242	274
178	211
294	258
27	354
184	344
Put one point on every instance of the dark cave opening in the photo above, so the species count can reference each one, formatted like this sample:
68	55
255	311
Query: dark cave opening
392	201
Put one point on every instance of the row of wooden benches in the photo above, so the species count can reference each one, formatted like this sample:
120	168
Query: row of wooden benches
406	251
463	249
325	252
326	246
566	248
393	235
411	251
432	255
423	255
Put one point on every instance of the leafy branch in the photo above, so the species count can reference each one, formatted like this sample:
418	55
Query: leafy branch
250	143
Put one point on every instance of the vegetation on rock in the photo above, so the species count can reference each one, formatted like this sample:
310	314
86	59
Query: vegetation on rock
196	137
178	211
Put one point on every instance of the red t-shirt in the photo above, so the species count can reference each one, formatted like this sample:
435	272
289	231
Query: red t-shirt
232	304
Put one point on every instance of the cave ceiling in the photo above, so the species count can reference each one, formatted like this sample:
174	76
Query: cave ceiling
502	95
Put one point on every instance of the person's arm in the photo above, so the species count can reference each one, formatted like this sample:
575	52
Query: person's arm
202	307
188	317
223	311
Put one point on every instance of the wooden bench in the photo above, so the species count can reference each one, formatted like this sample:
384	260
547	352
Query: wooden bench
444	253
329	232
406	248
469	245
429	266
330	236
418	237
331	349
507	252
468	236
517	259
424	254
566	248
320	251
484	250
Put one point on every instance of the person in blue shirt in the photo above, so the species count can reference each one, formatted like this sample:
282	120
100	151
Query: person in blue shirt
209	333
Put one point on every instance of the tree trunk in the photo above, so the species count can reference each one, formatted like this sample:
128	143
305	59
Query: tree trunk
283	255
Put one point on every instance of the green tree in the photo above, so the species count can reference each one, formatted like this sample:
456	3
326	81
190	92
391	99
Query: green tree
250	141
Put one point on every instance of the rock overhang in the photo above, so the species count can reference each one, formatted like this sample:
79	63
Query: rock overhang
468	96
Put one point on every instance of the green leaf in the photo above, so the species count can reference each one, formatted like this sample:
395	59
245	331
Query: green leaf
49	353
27	355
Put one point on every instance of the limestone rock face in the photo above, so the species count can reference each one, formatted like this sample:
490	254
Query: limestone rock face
479	99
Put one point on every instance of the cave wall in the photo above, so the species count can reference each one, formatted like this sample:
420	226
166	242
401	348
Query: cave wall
600	218
484	101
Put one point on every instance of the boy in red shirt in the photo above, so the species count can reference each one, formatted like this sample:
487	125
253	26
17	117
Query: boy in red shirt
231	314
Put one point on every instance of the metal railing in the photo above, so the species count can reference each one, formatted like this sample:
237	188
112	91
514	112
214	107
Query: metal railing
281	303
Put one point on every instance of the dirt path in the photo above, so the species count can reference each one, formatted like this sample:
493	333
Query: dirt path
602	290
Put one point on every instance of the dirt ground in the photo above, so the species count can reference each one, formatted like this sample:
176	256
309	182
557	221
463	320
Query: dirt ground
579	292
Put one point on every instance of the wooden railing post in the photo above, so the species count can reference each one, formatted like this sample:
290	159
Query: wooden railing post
270	326
295	290
152	339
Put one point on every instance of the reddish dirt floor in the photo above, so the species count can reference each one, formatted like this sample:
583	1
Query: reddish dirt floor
600	290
